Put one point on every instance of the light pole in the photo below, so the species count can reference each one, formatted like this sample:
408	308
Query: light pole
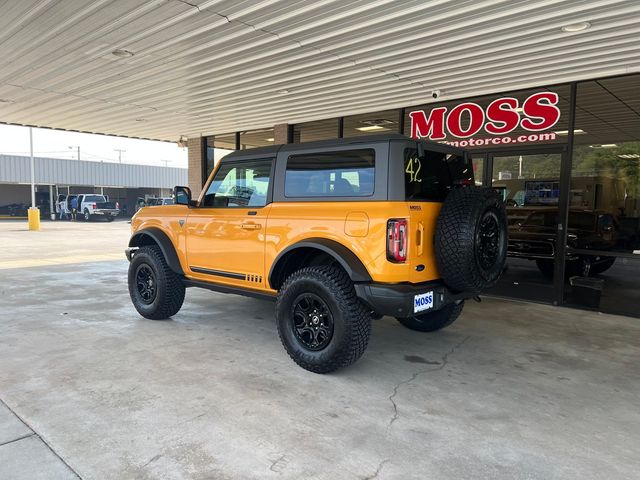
78	147
120	152
33	213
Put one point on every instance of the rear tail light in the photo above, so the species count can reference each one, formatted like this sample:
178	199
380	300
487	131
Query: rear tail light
94	206
397	240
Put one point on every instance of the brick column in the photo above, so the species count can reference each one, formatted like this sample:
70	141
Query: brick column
196	165
280	132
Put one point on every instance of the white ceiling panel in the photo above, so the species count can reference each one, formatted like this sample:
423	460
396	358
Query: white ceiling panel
214	66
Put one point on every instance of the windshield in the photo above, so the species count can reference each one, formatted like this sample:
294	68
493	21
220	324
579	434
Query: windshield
95	198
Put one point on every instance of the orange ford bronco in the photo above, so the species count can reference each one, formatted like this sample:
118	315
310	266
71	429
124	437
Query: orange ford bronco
337	232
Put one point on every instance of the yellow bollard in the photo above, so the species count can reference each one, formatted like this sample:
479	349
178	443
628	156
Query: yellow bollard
34	218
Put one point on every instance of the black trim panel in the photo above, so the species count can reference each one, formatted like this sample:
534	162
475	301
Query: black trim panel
229	289
165	244
218	273
345	257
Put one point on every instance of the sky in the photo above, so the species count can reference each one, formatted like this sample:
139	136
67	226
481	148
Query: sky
14	140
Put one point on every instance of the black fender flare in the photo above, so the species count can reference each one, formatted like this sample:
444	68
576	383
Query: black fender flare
345	257
163	241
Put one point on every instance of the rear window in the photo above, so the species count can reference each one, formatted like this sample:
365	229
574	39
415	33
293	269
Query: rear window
429	178
94	198
349	173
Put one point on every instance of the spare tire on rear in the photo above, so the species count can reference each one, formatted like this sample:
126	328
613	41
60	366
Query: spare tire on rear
471	239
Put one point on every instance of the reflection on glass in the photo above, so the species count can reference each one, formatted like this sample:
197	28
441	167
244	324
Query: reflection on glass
387	121
314	131
217	147
256	138
529	186
605	184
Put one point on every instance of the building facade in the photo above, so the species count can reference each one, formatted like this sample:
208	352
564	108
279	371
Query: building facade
565	158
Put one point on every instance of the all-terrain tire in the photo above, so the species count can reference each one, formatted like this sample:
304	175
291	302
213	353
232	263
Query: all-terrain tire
350	319
432	321
169	288
86	216
471	239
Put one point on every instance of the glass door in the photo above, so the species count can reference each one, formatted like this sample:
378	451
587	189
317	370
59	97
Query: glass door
529	184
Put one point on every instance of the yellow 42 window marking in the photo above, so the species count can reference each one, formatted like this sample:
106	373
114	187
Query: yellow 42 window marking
413	172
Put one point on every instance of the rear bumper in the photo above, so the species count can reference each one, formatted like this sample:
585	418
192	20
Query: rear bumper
397	300
113	213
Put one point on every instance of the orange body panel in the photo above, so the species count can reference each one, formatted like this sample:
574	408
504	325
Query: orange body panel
232	241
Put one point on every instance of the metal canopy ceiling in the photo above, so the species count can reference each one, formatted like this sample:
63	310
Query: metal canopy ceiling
214	66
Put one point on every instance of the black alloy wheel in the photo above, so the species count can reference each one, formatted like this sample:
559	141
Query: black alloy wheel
312	321
488	240
146	284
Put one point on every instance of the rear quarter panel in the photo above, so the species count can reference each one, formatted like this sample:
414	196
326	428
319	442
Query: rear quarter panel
292	222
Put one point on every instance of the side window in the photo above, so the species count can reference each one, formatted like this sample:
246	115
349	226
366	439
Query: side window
241	184
349	173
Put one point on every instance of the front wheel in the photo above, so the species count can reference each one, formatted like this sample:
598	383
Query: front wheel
321	323
432	321
156	291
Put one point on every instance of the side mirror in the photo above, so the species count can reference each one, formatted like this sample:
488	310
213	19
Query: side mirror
182	196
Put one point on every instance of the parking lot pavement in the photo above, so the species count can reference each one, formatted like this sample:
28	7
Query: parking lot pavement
511	390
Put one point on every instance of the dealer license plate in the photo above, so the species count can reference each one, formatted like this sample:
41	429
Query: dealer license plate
422	302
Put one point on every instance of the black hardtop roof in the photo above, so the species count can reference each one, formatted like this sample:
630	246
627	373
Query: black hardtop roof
273	150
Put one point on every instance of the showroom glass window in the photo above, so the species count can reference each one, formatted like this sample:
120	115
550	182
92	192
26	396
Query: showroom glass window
387	121
256	138
347	173
217	147
315	131
605	182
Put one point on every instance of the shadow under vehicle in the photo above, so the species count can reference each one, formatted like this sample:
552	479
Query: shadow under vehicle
535	239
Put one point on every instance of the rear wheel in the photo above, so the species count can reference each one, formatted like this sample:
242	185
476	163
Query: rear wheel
321	323
109	219
156	291
86	215
432	321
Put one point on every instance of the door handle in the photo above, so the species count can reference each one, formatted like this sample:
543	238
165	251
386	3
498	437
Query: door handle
251	226
420	239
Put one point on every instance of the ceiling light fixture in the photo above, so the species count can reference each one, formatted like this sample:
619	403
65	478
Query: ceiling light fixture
576	27
284	91
577	131
604	145
373	128
629	156
121	53
270	139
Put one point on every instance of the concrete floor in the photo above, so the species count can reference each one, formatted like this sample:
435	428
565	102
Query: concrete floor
511	390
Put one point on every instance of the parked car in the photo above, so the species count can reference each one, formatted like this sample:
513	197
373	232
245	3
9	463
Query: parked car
535	239
152	202
337	232
90	206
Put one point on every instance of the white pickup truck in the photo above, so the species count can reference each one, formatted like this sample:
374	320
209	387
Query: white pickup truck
91	206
